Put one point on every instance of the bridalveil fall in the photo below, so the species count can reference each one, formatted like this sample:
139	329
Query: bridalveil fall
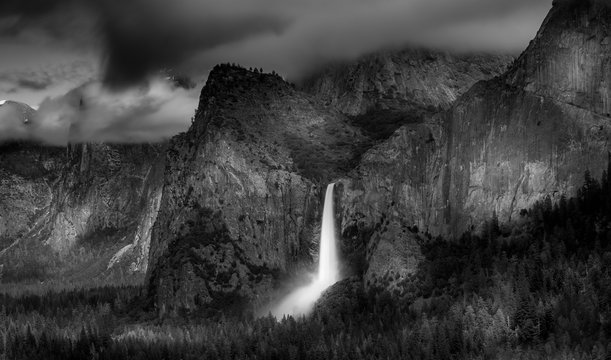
301	301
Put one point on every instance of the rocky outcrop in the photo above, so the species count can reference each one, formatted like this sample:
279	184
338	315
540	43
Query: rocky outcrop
242	193
408	80
344	298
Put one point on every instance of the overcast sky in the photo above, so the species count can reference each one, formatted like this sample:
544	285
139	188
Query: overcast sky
50	47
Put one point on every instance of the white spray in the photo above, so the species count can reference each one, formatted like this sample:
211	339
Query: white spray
301	301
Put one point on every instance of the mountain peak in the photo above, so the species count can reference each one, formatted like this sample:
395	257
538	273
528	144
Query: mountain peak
414	80
231	74
581	3
568	59
16	111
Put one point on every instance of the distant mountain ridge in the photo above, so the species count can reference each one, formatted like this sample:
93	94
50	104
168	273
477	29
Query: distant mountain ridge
410	79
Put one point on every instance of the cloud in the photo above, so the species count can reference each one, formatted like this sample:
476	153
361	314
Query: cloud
141	36
92	113
135	39
31	84
346	29
164	36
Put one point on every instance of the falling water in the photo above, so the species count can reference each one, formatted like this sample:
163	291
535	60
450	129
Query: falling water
328	273
301	301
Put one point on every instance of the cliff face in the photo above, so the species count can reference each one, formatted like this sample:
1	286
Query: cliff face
506	143
568	61
240	203
27	176
534	131
391	196
135	255
100	190
99	200
407	80
54	200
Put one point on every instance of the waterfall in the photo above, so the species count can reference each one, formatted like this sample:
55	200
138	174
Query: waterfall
301	301
328	265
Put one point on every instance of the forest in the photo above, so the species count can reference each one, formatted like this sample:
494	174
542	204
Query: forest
539	288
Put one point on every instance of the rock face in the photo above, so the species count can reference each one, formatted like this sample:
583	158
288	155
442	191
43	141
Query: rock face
27	176
15	120
392	195
100	191
414	80
241	202
101	198
135	255
534	131
93	196
506	143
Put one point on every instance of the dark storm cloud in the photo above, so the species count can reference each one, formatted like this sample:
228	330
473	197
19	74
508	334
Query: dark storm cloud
142	36
139	36
34	84
332	30
160	36
67	21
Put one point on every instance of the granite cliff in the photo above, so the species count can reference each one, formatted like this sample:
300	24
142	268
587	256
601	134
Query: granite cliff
537	129
242	190
508	142
27	176
78	212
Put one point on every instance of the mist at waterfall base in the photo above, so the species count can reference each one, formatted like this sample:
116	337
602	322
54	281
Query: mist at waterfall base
301	301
